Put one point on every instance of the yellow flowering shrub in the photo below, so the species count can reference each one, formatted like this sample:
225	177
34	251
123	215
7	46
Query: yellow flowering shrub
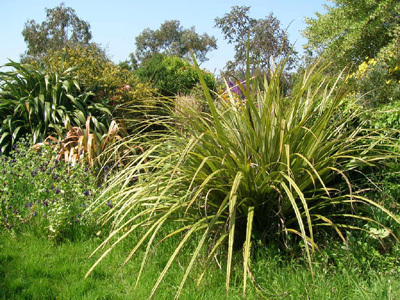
97	73
377	80
364	67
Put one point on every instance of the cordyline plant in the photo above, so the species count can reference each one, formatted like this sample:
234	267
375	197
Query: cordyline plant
37	102
274	168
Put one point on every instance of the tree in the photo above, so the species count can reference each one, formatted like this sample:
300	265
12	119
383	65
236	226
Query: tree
172	39
171	75
62	28
351	30
263	37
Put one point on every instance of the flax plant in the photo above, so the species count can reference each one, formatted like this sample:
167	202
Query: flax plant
39	102
273	169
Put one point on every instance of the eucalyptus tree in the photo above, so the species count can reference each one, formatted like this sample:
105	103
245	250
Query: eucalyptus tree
264	38
172	39
62	28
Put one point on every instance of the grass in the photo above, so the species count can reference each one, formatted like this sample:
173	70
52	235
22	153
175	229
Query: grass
35	268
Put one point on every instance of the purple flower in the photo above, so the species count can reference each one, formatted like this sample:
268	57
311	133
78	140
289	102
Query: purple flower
34	214
45	203
87	193
109	204
57	191
79	215
234	88
15	211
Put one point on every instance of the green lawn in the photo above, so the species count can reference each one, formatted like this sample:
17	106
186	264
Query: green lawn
34	268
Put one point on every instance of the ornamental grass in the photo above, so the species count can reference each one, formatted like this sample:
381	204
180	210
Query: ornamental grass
274	169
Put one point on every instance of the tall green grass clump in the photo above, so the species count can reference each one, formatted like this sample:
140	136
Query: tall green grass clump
270	169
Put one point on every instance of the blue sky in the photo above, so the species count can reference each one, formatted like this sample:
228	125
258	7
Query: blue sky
115	24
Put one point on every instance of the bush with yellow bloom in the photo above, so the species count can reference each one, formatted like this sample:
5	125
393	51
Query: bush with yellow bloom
377	80
97	73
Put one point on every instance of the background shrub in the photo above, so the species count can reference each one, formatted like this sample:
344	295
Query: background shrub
95	72
377	80
171	75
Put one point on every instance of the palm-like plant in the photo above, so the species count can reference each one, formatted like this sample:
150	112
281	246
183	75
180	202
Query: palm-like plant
38	102
272	168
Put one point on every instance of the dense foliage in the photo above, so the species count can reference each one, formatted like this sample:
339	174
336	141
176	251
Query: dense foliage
95	72
40	102
172	39
351	30
171	75
45	196
377	80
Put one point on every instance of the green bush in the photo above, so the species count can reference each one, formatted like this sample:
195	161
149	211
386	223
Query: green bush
377	80
96	73
45	196
34	101
171	75
272	171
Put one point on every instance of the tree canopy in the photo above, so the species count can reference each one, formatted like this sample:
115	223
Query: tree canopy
351	30
172	39
171	75
264	38
61	28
